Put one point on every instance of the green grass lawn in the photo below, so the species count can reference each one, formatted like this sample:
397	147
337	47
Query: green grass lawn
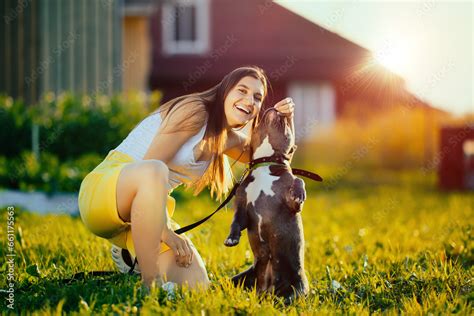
380	242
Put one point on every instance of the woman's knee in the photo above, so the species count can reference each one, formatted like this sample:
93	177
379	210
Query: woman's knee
153	171
144	176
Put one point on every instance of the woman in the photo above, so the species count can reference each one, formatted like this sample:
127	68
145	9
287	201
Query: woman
126	198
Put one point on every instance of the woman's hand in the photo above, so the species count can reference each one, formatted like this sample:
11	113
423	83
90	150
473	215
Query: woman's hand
180	245
285	107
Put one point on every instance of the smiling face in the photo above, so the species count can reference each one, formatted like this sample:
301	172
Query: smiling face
243	101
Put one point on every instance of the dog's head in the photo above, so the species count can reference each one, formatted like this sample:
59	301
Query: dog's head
273	134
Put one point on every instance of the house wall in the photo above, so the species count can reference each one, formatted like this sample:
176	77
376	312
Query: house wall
136	53
59	45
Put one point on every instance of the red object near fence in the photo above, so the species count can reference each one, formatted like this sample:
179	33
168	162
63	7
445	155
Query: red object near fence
456	168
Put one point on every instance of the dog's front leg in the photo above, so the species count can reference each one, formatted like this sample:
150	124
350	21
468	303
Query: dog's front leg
238	224
296	195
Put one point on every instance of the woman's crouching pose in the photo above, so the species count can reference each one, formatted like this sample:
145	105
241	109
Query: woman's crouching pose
126	198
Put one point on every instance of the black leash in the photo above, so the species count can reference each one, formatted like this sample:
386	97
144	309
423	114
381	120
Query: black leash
191	226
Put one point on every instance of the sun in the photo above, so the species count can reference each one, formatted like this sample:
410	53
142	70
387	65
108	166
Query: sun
395	55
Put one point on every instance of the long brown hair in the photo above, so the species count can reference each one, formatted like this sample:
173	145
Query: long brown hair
196	109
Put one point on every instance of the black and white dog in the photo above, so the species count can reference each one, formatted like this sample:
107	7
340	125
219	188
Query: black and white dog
268	203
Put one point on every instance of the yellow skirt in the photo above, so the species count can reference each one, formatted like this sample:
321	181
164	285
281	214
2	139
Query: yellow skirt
98	203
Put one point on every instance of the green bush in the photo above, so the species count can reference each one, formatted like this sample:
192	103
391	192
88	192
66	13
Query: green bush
75	133
72	125
15	131
46	173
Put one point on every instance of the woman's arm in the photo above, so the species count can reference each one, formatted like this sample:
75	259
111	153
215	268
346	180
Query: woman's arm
165	145
182	124
236	147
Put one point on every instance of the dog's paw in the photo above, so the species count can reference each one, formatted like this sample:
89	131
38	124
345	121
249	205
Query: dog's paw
298	191
296	195
298	198
231	241
298	203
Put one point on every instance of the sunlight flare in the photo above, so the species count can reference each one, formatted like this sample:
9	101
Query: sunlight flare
397	55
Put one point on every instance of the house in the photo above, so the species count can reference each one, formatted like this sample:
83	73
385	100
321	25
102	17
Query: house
181	46
136	49
196	42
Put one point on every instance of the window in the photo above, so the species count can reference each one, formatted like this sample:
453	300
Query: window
185	26
315	106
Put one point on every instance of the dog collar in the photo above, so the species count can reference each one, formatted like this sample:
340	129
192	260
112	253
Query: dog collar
281	161
276	160
261	162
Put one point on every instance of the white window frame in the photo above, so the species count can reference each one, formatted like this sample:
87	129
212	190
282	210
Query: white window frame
315	106
168	19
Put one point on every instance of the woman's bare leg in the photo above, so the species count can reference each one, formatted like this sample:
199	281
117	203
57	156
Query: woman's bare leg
141	200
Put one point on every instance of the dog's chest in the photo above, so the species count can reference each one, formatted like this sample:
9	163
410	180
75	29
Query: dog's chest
262	181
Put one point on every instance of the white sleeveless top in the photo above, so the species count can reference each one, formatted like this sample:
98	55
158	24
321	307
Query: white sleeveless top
183	168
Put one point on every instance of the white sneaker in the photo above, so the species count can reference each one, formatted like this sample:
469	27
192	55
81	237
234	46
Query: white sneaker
124	260
170	289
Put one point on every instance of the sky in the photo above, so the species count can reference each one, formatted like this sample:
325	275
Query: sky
428	43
